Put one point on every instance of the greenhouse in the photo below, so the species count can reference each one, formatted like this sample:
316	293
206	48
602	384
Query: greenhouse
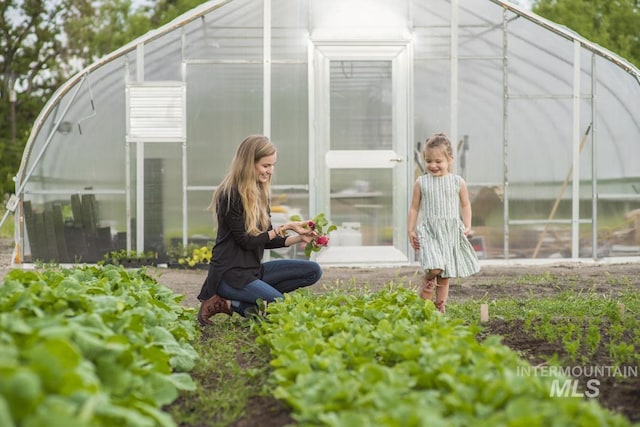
126	155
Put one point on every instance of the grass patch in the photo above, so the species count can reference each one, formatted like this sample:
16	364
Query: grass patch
230	373
8	227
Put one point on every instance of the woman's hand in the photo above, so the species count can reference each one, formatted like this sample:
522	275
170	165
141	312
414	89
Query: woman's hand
302	228
306	238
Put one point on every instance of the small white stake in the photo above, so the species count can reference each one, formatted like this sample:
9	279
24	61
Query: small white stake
484	313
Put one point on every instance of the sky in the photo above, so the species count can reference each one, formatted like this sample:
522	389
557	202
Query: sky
138	3
525	3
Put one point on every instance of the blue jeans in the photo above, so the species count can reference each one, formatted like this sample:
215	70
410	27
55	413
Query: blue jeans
280	276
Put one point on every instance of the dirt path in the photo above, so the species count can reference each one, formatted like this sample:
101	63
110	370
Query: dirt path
495	280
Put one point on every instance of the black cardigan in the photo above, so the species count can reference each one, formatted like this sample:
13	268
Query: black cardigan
237	256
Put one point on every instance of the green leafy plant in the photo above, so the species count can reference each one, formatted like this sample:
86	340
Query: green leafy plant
583	323
92	346
124	256
322	227
592	339
388	359
571	340
199	255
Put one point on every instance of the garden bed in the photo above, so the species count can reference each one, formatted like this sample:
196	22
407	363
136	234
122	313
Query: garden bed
493	283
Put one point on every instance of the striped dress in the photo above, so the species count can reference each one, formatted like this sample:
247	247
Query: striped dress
443	244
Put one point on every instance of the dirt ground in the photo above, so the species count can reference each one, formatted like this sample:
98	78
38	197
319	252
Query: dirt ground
496	280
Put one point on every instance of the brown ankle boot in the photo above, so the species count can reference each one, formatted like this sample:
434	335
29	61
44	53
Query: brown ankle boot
214	305
442	293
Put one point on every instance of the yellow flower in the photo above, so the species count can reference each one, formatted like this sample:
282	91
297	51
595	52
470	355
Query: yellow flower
200	255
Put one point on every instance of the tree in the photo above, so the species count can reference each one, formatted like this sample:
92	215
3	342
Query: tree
43	42
166	10
30	70
95	29
611	24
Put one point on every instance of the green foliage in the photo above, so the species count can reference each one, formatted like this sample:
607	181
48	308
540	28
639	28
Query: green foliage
577	321
8	227
11	156
95	29
233	369
33	58
98	28
547	277
199	255
611	24
192	254
43	43
123	256
91	346
166	10
389	359
29	39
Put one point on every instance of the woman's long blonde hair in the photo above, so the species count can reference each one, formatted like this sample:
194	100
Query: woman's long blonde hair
242	176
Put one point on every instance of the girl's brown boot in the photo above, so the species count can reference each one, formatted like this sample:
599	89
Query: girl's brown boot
428	286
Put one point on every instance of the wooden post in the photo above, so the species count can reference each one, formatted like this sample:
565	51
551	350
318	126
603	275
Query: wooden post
484	313
634	217
559	198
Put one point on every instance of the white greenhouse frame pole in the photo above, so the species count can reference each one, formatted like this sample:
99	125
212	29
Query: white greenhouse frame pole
453	132
575	196
266	70
594	162
505	133
316	134
140	162
266	79
127	162
185	177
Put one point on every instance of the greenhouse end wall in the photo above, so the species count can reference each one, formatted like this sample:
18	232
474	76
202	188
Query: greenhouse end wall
544	123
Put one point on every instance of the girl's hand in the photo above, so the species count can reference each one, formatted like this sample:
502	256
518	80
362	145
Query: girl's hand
413	239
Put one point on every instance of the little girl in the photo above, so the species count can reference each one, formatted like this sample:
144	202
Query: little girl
443	201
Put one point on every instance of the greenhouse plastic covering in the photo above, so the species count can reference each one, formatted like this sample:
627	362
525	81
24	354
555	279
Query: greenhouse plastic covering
546	127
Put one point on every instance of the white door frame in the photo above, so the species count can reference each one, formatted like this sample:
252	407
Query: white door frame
321	53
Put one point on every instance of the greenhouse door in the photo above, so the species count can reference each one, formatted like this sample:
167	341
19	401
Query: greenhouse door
360	176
